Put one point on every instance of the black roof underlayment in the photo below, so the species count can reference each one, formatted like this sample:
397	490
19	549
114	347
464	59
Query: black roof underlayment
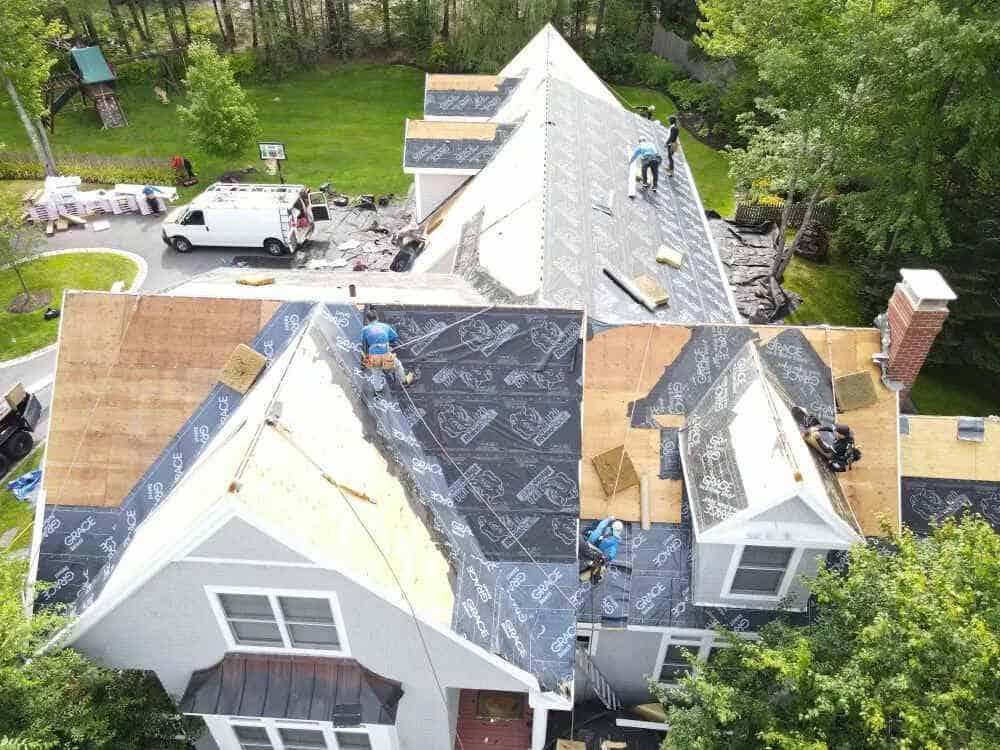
591	723
453	153
82	545
489	437
932	501
457	103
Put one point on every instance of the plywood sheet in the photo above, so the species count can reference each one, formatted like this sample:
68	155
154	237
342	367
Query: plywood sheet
614	378
441	82
933	450
615	469
130	372
447	130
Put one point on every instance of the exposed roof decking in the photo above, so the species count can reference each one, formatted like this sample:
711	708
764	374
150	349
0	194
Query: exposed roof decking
462	82
931	449
677	373
466	96
130	371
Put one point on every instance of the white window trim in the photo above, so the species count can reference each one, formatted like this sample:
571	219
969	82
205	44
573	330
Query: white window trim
699	642
212	592
786	581
381	737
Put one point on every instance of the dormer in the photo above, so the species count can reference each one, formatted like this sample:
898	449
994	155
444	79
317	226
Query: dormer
465	97
443	154
764	508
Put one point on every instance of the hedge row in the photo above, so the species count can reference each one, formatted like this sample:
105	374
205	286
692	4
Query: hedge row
106	170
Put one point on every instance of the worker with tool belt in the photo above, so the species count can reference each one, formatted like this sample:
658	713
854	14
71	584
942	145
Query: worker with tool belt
649	162
834	442
375	339
599	548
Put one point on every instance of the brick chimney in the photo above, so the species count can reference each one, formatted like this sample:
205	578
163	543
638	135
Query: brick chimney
917	310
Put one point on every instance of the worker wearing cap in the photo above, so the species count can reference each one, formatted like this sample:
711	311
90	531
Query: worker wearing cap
375	339
649	161
673	133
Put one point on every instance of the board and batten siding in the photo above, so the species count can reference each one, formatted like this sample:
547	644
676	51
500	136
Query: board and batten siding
168	626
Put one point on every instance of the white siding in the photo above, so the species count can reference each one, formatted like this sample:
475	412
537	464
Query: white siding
433	189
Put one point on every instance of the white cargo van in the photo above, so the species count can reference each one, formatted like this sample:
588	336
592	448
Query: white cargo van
278	218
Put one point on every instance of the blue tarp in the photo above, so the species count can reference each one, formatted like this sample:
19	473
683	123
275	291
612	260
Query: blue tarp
25	484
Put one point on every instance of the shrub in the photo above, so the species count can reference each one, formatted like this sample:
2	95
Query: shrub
439	57
106	170
146	72
653	71
219	117
694	96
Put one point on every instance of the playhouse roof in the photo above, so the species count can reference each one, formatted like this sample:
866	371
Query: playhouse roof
92	65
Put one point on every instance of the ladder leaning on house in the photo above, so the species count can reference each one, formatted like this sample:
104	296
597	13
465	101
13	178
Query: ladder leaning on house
602	688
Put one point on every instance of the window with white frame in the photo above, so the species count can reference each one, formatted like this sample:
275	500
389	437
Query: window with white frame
675	661
276	734
761	571
284	620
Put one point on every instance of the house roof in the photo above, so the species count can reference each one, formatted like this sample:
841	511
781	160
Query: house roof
448	145
474	480
467	96
547	215
946	476
130	371
645	381
92	65
302	688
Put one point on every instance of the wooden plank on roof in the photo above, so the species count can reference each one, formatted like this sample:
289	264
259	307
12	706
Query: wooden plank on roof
447	130
445	82
932	450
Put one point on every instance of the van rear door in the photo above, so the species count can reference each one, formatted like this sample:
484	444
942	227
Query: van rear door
318	207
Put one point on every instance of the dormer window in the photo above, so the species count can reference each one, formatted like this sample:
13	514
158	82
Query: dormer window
761	571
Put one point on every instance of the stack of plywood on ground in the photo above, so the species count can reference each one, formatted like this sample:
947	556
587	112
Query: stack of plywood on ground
130	371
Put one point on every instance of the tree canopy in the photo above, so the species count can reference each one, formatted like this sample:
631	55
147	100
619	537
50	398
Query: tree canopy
904	653
59	698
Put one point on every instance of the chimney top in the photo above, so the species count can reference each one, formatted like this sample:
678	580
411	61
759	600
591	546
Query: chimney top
927	289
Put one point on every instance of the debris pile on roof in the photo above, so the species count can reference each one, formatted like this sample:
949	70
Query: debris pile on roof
748	252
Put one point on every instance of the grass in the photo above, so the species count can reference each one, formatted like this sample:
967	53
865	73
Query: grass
956	391
342	123
829	292
709	167
14	513
25	332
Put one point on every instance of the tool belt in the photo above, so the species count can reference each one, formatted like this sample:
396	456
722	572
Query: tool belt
385	361
672	147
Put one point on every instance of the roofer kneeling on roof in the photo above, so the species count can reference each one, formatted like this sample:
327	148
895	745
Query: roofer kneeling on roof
375	340
834	442
599	548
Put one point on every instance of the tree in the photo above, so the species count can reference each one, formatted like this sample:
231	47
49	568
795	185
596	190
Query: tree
56	697
218	115
24	68
902	654
17	245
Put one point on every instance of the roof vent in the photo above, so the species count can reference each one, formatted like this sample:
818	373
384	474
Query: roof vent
971	428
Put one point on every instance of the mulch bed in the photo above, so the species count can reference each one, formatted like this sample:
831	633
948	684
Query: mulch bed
24	303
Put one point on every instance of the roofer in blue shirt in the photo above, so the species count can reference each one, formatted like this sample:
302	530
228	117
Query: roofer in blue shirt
599	548
375	339
649	161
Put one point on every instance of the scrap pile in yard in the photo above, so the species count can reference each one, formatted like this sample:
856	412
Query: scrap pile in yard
356	238
747	252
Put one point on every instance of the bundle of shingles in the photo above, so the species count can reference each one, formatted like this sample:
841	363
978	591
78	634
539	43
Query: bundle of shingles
748	252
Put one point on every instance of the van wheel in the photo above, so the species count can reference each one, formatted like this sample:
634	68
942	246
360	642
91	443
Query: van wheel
182	245
19	445
274	247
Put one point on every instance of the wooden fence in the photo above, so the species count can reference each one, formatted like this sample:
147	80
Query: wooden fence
754	213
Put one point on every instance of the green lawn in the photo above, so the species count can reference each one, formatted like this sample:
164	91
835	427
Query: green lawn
829	291
25	332
342	123
16	513
709	167
956	391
